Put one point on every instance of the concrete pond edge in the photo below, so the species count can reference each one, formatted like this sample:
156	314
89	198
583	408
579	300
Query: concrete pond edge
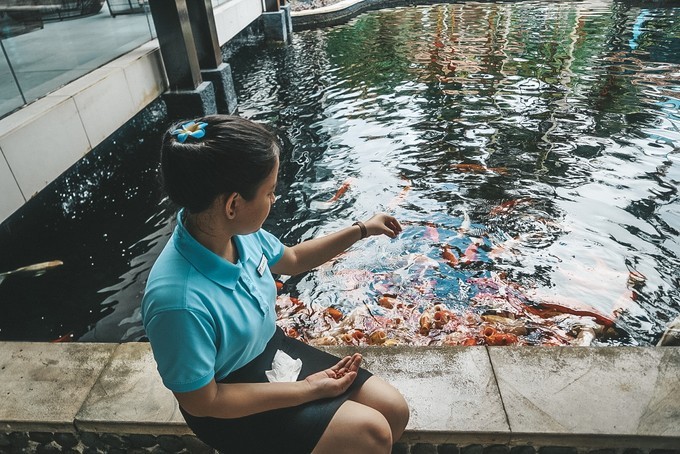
99	396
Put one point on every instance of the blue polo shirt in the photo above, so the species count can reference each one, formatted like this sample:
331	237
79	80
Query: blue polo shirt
205	316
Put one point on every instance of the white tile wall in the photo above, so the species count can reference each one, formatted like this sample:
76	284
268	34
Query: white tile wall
234	16
40	151
10	195
105	106
146	78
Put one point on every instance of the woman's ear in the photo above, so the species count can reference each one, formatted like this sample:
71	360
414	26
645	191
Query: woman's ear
231	205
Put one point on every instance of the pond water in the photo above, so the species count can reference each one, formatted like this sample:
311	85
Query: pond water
529	149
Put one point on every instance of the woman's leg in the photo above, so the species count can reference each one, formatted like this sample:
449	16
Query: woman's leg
383	397
356	429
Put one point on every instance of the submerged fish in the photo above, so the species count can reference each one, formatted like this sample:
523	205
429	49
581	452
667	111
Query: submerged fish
479	168
672	334
341	190
36	269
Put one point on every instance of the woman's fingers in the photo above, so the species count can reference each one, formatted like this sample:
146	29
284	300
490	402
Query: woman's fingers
346	365
355	362
341	364
385	224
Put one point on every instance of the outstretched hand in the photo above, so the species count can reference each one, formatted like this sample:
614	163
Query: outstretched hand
335	381
383	224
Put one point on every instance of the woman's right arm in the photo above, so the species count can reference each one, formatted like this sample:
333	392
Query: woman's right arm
234	400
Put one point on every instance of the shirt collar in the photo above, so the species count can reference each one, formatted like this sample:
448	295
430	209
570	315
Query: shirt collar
209	264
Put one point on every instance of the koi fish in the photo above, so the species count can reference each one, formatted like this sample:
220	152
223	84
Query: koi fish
671	335
510	325
465	225
320	205
334	313
37	269
377	337
65	338
449	256
493	337
479	168
471	254
395	202
561	308
508	205
431	233
341	190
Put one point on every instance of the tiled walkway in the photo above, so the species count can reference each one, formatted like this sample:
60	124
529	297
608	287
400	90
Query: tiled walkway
605	397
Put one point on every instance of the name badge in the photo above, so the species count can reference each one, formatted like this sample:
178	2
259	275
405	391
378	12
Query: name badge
262	266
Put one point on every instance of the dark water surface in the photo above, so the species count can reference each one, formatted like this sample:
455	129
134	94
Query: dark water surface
536	143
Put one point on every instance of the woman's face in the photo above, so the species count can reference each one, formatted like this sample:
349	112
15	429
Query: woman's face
256	210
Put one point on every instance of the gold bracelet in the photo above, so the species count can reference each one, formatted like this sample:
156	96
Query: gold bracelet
362	227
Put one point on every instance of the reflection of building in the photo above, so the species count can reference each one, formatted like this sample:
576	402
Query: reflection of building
42	10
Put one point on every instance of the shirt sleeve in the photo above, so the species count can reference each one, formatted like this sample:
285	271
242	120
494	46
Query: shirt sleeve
272	247
183	344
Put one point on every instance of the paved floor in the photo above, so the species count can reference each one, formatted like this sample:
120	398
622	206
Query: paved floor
604	397
48	58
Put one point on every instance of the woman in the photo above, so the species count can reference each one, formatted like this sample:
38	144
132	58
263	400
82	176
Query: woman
209	314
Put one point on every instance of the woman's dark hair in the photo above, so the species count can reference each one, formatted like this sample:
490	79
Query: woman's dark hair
235	155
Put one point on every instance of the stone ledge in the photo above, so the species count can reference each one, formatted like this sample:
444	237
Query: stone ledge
608	397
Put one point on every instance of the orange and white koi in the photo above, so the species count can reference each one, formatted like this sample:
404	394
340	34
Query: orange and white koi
479	168
395	202
509	205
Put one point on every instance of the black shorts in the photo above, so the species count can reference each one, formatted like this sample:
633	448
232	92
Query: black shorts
290	430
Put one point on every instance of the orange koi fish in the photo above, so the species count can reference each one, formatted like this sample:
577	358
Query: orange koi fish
341	190
493	337
449	256
377	337
334	313
65	338
508	205
388	302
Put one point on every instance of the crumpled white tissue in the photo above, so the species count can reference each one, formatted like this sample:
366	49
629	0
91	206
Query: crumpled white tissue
284	368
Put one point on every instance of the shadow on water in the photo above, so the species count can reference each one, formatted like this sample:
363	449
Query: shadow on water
530	149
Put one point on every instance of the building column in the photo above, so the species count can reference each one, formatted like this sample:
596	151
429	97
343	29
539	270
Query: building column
278	24
189	95
209	54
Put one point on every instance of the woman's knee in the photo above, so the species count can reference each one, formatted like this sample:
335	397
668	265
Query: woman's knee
378	432
356	428
380	395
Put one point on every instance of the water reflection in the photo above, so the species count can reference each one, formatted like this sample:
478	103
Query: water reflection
570	107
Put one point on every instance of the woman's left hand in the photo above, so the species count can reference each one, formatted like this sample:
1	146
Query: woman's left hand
383	224
335	381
